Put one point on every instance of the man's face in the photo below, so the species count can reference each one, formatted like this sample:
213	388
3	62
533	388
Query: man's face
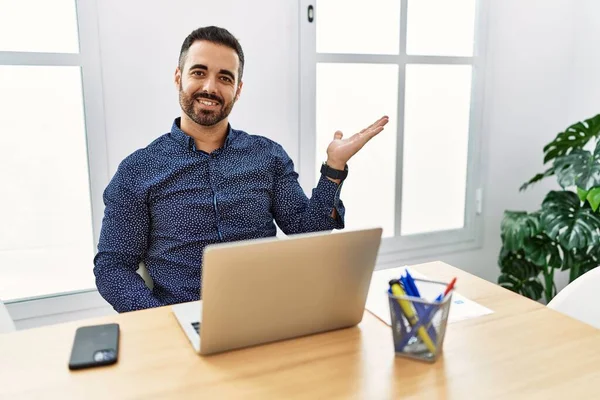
208	84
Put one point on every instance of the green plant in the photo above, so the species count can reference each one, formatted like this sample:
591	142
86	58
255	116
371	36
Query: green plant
565	233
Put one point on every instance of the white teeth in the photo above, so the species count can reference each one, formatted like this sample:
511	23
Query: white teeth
208	103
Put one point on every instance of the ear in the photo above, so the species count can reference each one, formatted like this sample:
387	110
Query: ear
177	78
239	91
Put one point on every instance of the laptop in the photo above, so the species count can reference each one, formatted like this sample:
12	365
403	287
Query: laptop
265	290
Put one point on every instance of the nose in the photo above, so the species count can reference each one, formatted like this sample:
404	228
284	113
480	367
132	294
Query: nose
208	85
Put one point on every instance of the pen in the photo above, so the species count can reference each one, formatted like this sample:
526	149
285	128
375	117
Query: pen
412	284
410	287
448	289
398	313
409	312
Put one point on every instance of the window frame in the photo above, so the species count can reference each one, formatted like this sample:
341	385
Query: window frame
88	60
410	247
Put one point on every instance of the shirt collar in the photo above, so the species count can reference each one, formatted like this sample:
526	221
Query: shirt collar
188	141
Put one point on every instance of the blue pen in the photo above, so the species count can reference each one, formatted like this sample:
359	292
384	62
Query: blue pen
411	282
407	286
422	309
412	290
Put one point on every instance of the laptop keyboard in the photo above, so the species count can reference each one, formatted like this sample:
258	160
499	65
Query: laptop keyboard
196	326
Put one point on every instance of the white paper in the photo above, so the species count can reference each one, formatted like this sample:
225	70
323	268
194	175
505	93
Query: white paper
378	303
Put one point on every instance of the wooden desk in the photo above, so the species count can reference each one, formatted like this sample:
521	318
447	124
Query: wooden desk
523	350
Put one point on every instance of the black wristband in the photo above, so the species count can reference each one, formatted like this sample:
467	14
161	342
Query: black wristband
332	173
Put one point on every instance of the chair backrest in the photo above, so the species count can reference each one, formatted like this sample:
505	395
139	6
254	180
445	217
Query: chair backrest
143	272
579	299
6	322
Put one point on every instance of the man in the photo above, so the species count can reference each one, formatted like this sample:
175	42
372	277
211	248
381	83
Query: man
205	182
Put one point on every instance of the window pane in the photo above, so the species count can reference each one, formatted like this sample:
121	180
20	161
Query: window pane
344	103
436	136
440	27
38	26
358	27
46	239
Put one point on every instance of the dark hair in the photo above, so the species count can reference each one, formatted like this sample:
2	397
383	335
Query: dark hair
215	35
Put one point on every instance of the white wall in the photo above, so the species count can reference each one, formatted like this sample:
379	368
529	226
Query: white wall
585	87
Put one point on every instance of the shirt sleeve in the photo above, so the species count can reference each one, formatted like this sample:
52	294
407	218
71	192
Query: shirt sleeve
294	212
123	241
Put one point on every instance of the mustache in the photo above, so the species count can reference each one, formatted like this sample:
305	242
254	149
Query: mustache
208	96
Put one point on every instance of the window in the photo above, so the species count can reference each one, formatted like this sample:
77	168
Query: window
51	136
421	63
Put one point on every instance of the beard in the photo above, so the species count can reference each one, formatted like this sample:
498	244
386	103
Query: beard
189	105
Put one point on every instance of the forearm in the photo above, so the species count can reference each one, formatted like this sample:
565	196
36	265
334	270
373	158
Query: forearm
323	211
120	285
293	211
123	240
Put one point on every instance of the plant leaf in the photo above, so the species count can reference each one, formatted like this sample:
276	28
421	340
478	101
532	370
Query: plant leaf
565	221
593	197
517	226
579	262
542	251
574	137
582	194
537	178
519	275
580	168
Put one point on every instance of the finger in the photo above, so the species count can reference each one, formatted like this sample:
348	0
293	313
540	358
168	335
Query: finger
375	128
363	137
370	126
371	133
338	135
380	122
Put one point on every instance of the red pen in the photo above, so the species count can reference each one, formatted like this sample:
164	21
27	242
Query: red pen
450	287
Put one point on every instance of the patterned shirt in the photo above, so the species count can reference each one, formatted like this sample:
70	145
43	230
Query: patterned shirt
168	201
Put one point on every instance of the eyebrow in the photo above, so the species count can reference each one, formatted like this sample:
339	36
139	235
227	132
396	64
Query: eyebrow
205	68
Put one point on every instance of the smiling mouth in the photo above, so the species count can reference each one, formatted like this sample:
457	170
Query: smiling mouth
208	103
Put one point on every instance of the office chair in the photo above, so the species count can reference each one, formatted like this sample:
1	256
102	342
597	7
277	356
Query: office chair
6	322
579	299
143	272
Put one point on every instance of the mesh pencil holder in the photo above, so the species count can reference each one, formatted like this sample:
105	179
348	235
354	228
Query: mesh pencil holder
418	324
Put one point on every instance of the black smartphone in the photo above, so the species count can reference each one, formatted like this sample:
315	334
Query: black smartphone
94	346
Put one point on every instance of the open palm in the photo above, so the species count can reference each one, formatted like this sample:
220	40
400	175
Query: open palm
341	150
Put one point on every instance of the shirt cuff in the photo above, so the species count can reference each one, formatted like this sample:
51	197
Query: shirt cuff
328	194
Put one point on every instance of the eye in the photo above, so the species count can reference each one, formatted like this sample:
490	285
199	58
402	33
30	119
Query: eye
198	73
227	79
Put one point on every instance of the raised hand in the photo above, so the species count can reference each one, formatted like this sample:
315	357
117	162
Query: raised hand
341	150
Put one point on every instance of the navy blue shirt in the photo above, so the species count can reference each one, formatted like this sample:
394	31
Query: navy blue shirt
168	201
